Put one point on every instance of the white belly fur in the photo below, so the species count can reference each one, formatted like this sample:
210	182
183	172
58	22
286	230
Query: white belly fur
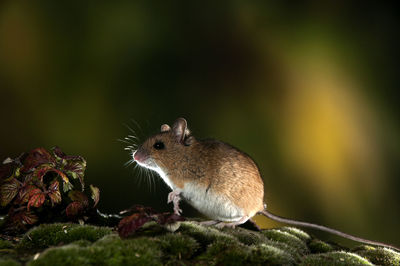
211	204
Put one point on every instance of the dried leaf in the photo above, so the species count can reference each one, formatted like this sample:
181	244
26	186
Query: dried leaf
76	168
167	218
58	153
29	217
67	186
7	170
25	193
129	225
74	209
42	170
62	175
140	208
8	191
36	198
54	193
35	158
79	196
95	194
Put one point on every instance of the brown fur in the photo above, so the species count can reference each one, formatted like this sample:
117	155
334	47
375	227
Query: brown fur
209	163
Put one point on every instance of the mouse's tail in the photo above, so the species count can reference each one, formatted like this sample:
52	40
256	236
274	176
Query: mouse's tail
325	229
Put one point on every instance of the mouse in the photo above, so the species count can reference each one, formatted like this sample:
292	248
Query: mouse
217	179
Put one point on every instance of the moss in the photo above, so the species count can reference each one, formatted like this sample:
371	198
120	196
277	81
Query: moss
4	244
47	235
287	238
192	243
9	262
7	252
82	243
137	251
378	255
204	234
151	229
296	232
225	252
66	255
270	255
178	246
110	250
318	246
246	237
335	258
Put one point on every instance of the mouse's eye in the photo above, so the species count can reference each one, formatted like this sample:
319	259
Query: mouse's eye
159	145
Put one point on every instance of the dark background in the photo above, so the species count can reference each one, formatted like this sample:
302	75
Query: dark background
309	90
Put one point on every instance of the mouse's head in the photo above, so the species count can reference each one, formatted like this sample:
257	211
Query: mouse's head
166	149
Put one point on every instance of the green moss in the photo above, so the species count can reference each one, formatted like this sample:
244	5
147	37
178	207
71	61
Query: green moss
137	251
178	246
47	235
225	252
110	250
151	229
4	244
7	252
270	255
66	255
318	246
287	238
203	234
246	237
82	243
9	262
296	232
335	258
378	255
192	243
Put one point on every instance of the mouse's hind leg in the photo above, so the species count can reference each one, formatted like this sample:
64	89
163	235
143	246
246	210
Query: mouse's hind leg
207	223
232	224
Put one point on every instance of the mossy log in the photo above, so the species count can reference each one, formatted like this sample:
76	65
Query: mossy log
183	243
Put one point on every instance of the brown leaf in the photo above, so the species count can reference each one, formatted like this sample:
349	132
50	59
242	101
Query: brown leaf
7	170
41	171
36	198
44	169
95	194
62	175
129	225
29	218
79	196
167	218
58	152
76	169
35	158
25	193
74	209
54	193
8	191
19	219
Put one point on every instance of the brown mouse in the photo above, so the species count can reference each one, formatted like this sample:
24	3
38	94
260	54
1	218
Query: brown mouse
215	178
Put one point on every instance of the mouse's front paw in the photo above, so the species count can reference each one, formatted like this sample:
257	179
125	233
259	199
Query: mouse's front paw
177	210
175	198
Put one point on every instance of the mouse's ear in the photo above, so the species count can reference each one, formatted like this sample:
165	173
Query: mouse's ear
165	128
180	129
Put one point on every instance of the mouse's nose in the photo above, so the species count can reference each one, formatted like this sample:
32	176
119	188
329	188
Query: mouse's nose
138	156
135	156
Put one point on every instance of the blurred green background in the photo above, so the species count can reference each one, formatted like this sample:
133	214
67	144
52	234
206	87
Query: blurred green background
309	90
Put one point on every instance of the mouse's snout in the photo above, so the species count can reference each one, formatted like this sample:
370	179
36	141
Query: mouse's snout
140	156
